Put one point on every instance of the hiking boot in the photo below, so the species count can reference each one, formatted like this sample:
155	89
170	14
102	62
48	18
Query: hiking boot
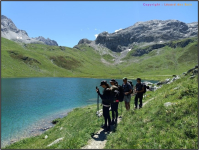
104	126
108	129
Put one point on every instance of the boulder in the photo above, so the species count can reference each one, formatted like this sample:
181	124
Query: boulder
190	70
192	77
195	71
168	104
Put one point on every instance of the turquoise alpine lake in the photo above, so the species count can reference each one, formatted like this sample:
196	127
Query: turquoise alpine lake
28	105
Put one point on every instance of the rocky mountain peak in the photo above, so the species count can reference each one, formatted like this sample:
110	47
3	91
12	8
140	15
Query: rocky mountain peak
82	41
156	31
11	32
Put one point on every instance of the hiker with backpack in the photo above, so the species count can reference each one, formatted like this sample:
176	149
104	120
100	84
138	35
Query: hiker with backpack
114	105
127	93
106	103
139	90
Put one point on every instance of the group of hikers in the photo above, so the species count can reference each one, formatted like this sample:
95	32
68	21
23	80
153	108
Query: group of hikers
114	94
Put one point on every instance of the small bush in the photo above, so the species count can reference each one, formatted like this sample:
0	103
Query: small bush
56	120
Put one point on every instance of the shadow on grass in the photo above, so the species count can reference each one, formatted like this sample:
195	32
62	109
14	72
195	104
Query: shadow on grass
103	134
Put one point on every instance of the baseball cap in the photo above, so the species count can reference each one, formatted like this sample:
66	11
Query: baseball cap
113	80
103	82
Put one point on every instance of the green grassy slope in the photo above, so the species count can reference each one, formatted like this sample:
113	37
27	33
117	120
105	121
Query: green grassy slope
158	127
152	127
163	61
37	60
51	61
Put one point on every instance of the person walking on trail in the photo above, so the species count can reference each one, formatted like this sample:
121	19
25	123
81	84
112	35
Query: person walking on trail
139	89
127	93
105	103
114	105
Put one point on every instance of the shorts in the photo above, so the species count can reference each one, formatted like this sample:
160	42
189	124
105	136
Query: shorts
127	98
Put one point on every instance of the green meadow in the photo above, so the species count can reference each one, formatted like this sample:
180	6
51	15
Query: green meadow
38	60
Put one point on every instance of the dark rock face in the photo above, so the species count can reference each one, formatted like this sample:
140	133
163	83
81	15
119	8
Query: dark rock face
150	31
84	41
46	41
142	51
11	32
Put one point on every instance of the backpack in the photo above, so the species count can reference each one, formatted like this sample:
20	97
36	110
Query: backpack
114	94
131	85
121	93
144	88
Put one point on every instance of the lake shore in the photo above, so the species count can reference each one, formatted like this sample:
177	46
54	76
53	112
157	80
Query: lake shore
41	126
38	128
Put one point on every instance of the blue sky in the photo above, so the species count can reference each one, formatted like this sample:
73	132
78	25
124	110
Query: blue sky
68	21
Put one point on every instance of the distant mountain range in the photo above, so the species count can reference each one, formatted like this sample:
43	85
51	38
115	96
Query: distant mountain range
149	32
153	32
11	32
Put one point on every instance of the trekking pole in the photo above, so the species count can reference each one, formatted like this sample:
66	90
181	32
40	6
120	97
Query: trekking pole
97	104
121	107
102	117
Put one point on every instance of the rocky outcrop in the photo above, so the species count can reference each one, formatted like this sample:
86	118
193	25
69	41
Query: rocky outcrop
11	32
154	31
46	41
84	41
173	44
146	50
192	72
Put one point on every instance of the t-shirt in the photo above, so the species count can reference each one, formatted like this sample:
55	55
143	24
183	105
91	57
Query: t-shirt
127	87
139	86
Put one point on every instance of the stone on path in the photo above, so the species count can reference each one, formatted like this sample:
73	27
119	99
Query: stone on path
56	141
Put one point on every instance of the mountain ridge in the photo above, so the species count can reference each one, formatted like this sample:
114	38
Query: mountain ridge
11	32
152	31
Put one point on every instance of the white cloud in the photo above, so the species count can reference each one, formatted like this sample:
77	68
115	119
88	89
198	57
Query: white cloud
96	35
118	30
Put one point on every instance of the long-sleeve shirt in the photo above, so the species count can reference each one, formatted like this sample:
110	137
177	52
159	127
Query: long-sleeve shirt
105	96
